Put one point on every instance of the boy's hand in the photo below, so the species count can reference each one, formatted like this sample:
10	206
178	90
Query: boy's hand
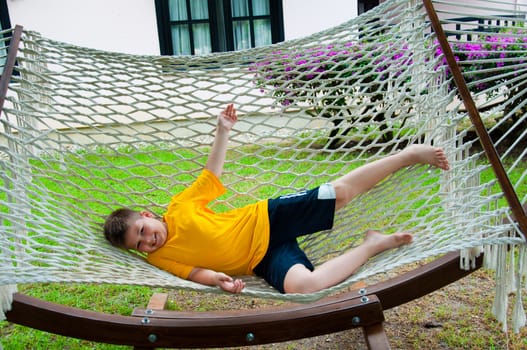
229	284
226	121
227	117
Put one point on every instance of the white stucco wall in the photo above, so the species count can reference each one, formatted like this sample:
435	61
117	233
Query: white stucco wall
116	25
304	17
130	25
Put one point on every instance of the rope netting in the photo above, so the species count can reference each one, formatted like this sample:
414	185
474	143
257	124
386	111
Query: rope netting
85	131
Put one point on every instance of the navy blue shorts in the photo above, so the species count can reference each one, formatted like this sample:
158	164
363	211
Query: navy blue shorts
292	216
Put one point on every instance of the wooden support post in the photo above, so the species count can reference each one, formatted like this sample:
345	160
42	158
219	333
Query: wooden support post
9	64
158	301
488	146
375	337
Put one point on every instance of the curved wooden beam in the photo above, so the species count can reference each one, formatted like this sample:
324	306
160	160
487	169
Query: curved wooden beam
242	327
198	329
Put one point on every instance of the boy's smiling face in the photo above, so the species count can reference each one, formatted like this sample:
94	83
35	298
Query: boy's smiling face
146	234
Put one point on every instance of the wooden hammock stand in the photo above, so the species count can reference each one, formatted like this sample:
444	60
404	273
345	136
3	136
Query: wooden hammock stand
150	328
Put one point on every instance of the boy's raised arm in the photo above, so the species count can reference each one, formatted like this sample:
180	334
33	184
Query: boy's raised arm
226	121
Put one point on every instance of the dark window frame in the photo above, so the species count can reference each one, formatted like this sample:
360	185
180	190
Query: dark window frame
4	15
366	5
275	7
221	33
164	24
5	24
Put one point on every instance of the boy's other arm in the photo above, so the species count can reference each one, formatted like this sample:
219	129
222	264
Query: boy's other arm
216	159
213	278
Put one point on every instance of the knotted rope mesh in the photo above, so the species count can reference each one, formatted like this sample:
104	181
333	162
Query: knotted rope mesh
85	132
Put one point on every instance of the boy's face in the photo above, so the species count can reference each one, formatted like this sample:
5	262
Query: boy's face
146	234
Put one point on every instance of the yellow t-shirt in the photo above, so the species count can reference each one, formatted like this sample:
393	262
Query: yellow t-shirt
233	242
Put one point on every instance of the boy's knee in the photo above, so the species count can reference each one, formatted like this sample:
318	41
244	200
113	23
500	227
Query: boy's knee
299	280
343	194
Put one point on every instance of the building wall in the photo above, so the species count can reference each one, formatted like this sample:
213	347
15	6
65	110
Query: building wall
117	25
130	26
304	17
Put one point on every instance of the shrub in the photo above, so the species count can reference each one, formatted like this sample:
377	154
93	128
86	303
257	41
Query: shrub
332	78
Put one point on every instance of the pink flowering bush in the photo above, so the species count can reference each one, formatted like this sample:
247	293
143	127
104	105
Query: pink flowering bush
496	61
297	76
333	77
489	56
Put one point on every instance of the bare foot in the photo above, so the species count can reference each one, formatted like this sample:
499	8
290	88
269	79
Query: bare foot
381	242
425	154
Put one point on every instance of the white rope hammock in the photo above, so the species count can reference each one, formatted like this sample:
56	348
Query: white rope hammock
85	132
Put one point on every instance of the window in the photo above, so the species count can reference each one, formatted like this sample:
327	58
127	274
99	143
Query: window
197	27
4	16
366	5
4	24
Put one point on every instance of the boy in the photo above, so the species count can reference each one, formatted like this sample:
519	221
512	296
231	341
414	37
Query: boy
194	243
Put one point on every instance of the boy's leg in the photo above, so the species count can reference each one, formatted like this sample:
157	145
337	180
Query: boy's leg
365	177
301	280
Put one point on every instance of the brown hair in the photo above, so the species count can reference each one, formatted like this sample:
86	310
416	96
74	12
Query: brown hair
116	225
